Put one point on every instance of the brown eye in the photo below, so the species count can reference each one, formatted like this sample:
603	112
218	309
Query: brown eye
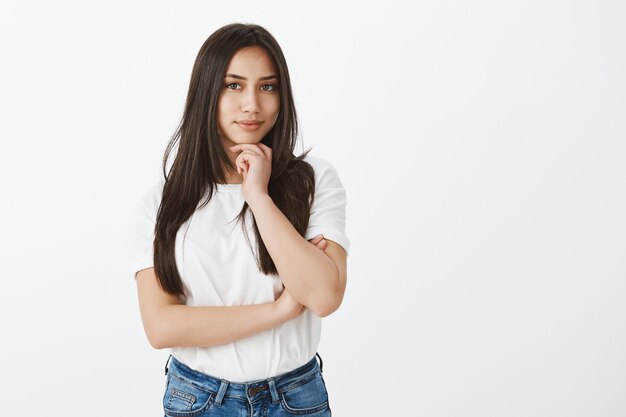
229	84
272	87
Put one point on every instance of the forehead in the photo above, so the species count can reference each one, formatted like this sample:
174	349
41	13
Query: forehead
251	62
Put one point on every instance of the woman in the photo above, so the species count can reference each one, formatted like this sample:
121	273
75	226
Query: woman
240	308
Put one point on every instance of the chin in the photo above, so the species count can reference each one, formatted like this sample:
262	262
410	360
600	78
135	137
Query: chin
239	139
249	141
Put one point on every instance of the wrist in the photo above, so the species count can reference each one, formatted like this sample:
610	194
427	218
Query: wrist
259	200
278	313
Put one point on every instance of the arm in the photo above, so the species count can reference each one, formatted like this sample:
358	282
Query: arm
168	323
315	278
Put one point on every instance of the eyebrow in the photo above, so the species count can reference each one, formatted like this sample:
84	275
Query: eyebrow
239	77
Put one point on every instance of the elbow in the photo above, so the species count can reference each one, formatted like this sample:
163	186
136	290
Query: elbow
328	301
156	334
323	312
326	306
156	339
157	342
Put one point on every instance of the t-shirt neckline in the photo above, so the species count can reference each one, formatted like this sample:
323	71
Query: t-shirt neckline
228	187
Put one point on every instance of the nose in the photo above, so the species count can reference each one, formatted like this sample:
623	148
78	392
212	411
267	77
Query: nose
249	102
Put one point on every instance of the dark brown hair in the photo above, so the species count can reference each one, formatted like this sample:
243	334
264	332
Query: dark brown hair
201	159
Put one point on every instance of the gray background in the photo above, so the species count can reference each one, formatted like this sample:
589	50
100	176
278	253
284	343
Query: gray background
482	148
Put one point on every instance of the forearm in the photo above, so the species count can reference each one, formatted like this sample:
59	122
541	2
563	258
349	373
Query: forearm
307	272
186	326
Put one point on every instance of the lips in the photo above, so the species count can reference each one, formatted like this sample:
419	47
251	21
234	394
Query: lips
249	122
249	126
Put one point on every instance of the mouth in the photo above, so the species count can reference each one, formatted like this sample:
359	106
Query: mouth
249	122
249	126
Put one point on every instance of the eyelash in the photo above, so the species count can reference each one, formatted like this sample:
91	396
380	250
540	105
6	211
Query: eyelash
274	87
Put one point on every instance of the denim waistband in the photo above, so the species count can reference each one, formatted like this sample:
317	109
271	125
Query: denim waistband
252	390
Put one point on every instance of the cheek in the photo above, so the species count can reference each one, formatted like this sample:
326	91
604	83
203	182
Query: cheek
272	109
225	108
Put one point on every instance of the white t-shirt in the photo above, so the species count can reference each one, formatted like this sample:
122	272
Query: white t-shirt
218	268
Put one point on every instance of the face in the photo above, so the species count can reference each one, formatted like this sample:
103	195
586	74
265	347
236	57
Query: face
249	101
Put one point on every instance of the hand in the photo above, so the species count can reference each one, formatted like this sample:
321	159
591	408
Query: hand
255	164
287	306
319	241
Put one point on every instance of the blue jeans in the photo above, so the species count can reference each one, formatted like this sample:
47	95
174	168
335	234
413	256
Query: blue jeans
299	392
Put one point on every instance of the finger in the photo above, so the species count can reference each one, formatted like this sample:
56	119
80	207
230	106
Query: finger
316	239
322	244
248	155
246	158
267	151
241	165
251	147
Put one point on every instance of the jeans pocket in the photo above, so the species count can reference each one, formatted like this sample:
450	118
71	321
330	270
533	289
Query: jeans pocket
308	397
184	398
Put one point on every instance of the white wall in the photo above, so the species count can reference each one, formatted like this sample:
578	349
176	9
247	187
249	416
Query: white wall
482	146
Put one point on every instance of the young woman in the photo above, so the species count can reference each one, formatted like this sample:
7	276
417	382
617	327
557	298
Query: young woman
240	308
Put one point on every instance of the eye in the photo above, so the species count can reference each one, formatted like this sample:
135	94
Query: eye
272	87
229	84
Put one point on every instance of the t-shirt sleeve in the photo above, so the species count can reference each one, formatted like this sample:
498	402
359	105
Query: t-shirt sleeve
328	213
142	229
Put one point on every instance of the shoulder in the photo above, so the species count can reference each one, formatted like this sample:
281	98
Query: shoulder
324	170
317	162
150	199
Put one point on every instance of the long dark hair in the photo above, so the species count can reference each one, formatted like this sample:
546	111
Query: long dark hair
201	159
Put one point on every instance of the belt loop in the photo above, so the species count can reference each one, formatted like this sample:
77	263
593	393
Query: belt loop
166	363
220	392
273	391
321	362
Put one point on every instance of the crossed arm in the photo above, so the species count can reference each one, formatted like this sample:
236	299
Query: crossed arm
315	278
168	323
